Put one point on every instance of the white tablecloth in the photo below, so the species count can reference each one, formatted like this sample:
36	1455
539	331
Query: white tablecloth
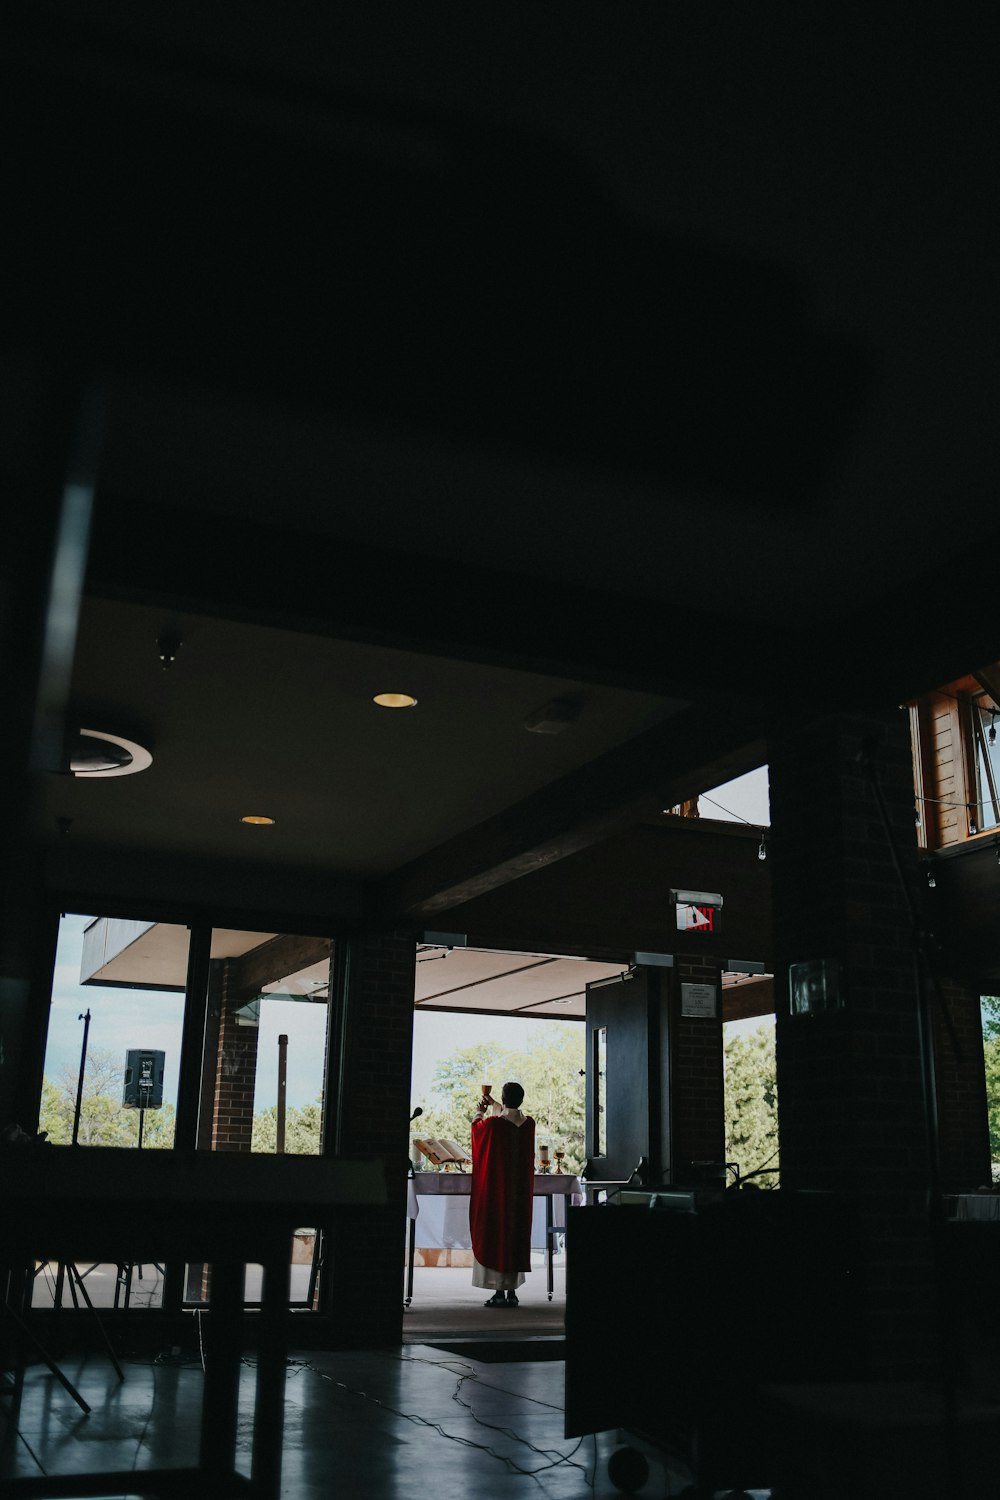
439	1201
977	1206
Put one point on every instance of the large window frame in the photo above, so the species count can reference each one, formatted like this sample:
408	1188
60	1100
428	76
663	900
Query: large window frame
196	1078
983	777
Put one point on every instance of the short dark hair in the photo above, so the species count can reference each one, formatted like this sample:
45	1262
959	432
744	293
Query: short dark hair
512	1095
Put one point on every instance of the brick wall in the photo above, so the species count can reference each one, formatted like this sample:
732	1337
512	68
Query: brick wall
364	1281
236	1069
961	1083
696	1075
851	1116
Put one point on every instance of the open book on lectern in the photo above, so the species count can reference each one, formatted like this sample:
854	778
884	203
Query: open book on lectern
441	1150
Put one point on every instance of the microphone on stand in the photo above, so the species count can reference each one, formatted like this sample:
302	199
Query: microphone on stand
416	1112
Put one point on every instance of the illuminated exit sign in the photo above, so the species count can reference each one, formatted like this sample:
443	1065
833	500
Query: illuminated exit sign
697	918
697	911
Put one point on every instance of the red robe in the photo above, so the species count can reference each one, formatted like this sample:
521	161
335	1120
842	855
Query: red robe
503	1179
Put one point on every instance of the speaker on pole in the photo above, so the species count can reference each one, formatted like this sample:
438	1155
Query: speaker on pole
143	1086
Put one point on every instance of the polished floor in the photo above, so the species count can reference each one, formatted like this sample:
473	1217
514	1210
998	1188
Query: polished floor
389	1424
470	1403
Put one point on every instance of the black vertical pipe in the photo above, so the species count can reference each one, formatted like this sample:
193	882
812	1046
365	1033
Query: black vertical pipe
83	1068
282	1092
193	1039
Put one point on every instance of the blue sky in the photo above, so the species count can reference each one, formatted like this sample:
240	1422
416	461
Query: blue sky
119	1019
122	1019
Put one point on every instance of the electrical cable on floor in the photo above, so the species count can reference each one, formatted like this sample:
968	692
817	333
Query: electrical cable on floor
445	1364
508	1432
509	1464
504	1390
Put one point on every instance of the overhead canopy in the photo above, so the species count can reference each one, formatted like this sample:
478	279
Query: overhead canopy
153	956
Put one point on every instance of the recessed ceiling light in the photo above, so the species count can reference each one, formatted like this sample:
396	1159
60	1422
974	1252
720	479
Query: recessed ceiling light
257	820
97	753
394	700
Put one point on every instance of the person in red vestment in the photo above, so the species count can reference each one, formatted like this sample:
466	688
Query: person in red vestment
503	1179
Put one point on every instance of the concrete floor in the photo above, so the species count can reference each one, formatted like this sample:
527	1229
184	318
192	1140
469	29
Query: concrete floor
471	1402
386	1425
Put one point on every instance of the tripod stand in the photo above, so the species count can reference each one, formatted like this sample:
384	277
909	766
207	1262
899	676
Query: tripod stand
68	1274
123	1281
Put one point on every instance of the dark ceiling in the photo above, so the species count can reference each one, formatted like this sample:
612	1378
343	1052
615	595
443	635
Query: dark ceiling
636	356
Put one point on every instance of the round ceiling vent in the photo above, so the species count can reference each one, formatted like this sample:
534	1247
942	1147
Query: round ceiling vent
97	753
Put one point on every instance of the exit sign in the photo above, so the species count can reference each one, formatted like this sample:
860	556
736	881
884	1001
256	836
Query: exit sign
697	911
694	918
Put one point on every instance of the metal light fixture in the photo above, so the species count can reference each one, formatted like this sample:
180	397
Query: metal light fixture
97	753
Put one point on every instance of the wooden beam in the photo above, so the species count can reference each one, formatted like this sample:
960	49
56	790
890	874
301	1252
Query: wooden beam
676	759
750	997
277	959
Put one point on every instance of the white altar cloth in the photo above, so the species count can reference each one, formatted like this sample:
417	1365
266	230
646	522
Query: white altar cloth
439	1202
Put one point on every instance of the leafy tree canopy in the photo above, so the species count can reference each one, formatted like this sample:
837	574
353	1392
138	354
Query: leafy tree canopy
991	1055
550	1072
104	1121
752	1103
302	1130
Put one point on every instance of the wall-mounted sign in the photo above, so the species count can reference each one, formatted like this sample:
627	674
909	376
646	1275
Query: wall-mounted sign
697	918
697	911
699	1000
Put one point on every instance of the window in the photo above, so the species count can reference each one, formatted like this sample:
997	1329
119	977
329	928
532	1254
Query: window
109	1012
985	777
265	1061
111	1068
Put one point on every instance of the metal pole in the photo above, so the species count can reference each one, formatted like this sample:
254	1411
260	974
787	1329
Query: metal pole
83	1068
282	1084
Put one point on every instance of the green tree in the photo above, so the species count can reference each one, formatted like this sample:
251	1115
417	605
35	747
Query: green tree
302	1130
104	1121
991	1055
752	1103
550	1071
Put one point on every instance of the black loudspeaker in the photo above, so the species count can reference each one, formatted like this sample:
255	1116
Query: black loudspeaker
143	1087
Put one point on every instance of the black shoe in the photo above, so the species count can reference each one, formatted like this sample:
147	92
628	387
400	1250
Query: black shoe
497	1300
512	1300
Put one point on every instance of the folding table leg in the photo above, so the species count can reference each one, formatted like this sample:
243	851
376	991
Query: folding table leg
272	1357
220	1399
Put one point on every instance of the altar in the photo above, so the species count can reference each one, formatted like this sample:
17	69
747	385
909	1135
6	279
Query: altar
437	1209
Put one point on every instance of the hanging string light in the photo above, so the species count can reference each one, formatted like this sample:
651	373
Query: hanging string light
762	848
930	877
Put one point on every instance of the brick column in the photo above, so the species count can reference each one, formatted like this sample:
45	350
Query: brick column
961	1080
236	1071
851	1113
697	1086
364	1284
